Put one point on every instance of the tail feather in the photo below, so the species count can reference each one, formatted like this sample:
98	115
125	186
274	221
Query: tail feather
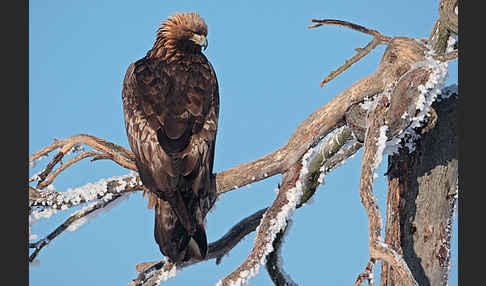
173	238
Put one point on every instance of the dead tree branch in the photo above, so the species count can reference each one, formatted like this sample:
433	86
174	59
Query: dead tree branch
375	139
362	52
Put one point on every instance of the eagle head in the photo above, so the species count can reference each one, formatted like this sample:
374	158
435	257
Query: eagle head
180	34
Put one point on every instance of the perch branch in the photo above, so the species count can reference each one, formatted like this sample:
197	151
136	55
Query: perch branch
398	58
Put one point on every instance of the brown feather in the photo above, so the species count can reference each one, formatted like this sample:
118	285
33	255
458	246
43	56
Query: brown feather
171	107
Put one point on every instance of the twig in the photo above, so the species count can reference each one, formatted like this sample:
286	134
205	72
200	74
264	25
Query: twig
47	177
349	62
118	154
356	27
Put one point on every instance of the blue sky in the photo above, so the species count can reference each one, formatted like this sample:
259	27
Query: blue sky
269	65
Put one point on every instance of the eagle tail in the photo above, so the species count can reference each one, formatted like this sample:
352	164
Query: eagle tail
179	236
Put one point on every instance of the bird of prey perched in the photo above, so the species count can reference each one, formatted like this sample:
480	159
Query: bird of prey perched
171	109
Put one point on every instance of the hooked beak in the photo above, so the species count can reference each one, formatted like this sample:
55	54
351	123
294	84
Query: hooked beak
200	40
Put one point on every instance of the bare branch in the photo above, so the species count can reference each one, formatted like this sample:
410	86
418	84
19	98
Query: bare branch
47	179
118	154
356	27
374	145
362	52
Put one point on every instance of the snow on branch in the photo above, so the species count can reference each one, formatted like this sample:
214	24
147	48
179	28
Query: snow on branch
274	221
104	189
415	91
275	261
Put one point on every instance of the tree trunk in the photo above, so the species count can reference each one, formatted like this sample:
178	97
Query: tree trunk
422	194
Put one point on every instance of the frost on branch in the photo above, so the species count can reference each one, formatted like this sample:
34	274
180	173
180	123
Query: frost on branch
107	193
275	261
104	189
391	118
272	223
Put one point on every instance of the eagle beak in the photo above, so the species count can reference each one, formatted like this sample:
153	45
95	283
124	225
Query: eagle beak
200	40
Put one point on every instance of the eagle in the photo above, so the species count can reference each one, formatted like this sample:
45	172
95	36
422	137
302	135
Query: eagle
171	109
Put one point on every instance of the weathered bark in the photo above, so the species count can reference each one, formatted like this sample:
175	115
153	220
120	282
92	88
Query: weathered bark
421	199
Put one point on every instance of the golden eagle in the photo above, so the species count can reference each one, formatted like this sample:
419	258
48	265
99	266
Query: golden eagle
171	109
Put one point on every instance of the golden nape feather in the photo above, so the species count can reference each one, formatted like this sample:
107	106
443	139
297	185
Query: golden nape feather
171	108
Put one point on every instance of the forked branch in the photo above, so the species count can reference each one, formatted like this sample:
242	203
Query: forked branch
378	39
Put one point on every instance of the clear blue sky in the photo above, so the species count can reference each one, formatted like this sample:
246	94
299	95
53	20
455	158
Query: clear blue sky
269	65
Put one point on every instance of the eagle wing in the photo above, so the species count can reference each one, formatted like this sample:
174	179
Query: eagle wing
171	115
